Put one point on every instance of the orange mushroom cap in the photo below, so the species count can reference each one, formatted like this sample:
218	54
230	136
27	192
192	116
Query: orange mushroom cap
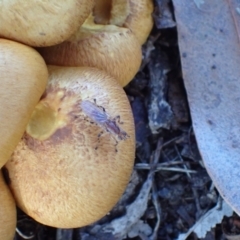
107	47
42	23
23	80
73	163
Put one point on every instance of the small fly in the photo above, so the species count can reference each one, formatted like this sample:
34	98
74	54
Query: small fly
99	116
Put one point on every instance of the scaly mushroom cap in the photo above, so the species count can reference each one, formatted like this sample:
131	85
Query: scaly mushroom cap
42	23
24	76
8	215
107	47
69	170
135	15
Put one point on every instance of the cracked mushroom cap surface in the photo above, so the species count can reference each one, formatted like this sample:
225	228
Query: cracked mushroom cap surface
8	213
76	156
42	23
24	77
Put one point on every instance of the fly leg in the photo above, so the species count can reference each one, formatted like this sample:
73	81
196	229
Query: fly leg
89	120
116	142
115	145
112	136
99	136
118	119
95	101
82	118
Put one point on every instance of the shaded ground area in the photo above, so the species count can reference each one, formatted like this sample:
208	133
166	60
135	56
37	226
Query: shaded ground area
170	189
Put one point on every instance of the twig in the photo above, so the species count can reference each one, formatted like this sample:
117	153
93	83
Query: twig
23	235
145	166
157	206
195	193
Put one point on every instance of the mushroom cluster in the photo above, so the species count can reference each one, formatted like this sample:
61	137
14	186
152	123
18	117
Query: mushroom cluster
70	138
110	39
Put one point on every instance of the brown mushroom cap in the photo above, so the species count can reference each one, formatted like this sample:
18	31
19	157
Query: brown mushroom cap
107	47
42	23
135	15
8	215
23	80
68	171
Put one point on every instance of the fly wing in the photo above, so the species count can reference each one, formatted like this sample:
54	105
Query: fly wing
94	112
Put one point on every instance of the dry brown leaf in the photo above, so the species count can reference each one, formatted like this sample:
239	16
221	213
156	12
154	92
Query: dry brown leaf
210	54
